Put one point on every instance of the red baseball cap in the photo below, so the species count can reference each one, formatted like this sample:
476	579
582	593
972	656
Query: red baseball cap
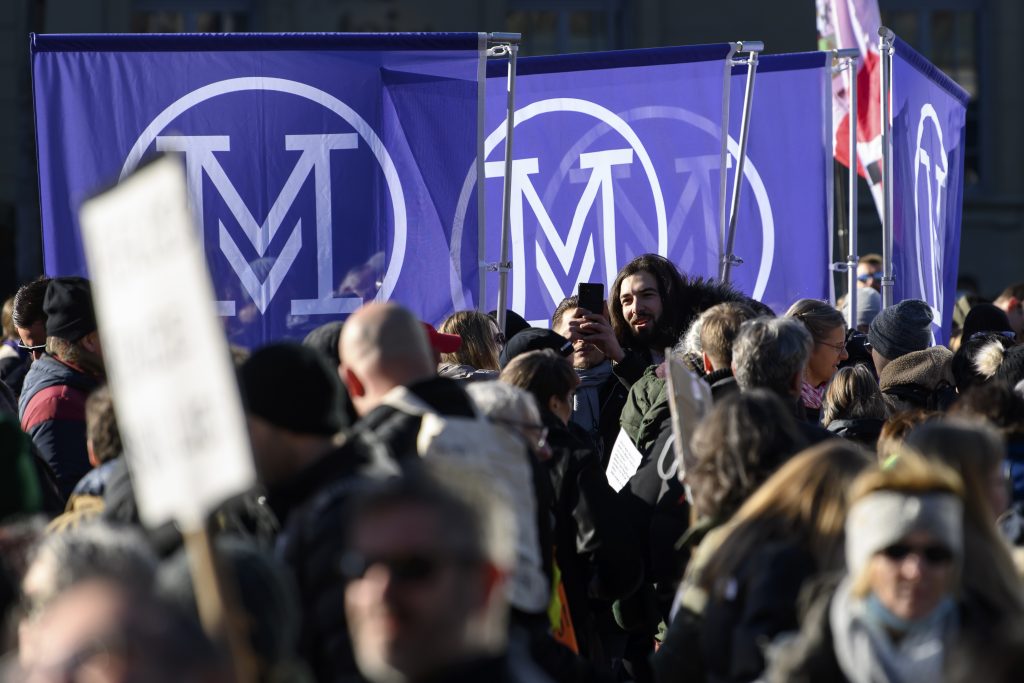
442	343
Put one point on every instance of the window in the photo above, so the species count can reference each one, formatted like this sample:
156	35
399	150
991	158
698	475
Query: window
190	16
568	26
947	33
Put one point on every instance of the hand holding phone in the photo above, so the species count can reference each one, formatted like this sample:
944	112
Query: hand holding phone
591	297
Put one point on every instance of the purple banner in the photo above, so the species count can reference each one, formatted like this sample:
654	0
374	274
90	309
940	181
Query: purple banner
618	154
323	169
928	122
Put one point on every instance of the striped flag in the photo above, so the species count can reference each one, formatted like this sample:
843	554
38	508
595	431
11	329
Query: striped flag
845	24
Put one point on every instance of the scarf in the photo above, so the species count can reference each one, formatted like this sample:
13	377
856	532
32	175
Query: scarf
867	654
810	396
586	404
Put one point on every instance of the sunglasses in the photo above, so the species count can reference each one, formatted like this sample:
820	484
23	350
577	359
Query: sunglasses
864	277
404	569
38	348
1012	336
931	554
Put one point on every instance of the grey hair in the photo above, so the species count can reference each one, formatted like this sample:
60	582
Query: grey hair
91	551
690	341
768	352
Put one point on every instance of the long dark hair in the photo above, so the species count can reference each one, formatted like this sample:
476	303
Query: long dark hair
683	298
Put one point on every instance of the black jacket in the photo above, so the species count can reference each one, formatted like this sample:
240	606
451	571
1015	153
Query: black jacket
612	395
722	382
632	366
863	430
398	430
516	668
312	508
594	547
762	604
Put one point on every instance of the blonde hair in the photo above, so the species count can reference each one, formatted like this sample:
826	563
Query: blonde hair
896	428
853	393
479	348
719	326
805	500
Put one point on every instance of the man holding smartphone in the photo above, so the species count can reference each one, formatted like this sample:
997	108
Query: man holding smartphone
641	319
600	396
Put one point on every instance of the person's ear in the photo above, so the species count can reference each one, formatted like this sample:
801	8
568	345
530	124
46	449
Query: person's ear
93	460
554	403
352	383
708	367
91	342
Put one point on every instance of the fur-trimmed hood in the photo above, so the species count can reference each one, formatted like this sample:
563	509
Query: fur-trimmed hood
700	293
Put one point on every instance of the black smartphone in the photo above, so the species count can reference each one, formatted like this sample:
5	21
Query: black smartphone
591	297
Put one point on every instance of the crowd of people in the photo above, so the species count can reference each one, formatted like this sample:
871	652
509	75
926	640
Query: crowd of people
434	505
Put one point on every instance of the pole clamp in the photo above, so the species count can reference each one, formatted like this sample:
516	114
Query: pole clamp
732	260
499	267
849	264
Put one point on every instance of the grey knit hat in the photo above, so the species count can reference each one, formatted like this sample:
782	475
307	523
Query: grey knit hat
869	303
902	329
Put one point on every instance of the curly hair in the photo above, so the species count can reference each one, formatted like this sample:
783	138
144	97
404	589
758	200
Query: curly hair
737	447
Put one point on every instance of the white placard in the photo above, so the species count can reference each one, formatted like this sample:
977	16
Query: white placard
689	402
624	461
166	356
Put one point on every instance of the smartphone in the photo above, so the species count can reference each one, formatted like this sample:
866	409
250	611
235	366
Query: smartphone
591	297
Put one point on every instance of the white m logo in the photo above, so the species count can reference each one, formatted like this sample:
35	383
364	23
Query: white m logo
602	166
199	159
315	159
522	188
936	172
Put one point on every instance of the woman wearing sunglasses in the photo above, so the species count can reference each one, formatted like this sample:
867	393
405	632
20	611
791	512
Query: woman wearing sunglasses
828	329
896	614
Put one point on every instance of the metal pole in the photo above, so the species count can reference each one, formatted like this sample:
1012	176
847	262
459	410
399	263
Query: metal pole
728	258
506	197
723	178
481	204
850	55
885	49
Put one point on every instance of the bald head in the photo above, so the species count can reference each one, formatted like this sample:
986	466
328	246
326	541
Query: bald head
382	346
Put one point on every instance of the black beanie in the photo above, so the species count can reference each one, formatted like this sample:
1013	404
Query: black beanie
514	323
985	318
291	386
68	308
902	329
532	339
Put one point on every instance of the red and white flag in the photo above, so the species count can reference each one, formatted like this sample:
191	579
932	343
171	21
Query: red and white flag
845	24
